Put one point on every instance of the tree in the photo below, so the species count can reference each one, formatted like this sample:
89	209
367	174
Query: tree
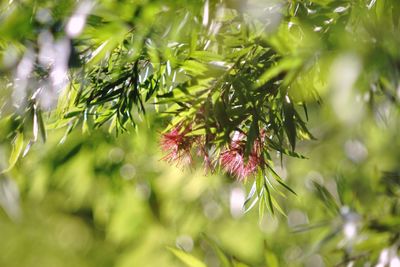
233	84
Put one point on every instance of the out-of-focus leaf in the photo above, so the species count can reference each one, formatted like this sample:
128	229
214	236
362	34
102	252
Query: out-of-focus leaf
73	113
16	151
240	264
194	67
42	127
10	197
27	148
224	260
206	56
200	131
186	258
386	224
283	65
326	197
279	179
271	259
278	207
375	242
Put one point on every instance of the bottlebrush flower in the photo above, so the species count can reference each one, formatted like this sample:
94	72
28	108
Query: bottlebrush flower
233	160
177	145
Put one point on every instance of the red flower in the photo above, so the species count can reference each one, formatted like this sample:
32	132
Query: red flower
233	159
178	145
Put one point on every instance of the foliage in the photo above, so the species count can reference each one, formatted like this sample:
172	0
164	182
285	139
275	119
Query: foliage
235	85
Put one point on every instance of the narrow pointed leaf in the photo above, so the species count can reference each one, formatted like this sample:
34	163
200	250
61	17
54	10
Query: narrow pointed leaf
186	258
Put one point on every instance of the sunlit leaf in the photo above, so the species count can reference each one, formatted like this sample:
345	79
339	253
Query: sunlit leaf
186	258
16	151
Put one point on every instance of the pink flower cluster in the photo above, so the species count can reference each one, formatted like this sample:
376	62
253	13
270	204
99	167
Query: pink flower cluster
233	159
178	146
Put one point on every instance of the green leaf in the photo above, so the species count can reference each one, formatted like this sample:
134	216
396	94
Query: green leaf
261	207
303	131
223	258
42	127
289	123
279	179
250	196
285	151
251	136
326	197
271	259
206	56
278	207
186	258
194	67
259	184
73	113
17	146
200	131
268	196
283	65
240	264
220	113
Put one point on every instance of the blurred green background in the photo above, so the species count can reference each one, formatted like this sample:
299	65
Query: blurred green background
97	199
